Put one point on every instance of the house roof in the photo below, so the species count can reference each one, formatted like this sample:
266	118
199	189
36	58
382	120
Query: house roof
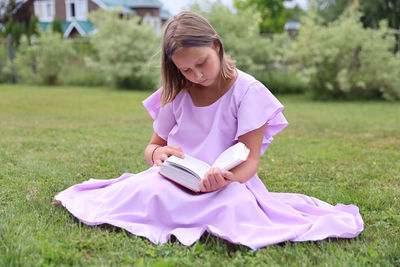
292	25
44	25
128	3
165	14
84	27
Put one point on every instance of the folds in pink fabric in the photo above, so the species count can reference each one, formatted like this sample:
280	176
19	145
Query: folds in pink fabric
148	205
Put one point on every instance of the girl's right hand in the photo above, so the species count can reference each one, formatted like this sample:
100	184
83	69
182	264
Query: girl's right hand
161	153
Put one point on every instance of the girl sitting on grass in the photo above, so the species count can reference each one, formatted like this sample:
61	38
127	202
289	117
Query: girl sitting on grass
205	106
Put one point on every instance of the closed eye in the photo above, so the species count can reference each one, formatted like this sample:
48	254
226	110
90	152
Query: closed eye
201	64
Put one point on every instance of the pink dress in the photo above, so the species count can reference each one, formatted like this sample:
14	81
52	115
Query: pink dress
148	205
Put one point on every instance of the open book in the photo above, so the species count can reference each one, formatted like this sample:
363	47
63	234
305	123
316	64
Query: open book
189	171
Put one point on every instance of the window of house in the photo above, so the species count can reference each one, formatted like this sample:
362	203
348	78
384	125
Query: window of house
72	5
45	10
76	9
154	22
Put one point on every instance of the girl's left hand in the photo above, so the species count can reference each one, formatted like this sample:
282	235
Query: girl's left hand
215	179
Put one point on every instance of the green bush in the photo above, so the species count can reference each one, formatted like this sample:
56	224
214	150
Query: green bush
56	26
83	48
15	29
345	61
76	72
124	49
33	26
24	63
43	61
281	82
3	60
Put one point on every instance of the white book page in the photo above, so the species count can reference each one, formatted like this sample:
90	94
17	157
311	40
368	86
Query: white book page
192	164
232	157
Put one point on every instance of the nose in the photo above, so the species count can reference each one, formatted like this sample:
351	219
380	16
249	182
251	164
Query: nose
197	74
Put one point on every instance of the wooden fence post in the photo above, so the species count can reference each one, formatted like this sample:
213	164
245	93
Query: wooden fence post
398	40
11	57
34	56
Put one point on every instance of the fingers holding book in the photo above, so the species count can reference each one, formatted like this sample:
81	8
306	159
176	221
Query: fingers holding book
162	153
215	179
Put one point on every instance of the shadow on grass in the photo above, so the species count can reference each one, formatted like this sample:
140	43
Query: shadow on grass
210	242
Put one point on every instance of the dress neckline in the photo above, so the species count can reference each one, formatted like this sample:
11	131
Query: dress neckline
219	99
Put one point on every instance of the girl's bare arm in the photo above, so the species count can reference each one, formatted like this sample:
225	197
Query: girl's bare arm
157	151
215	178
247	169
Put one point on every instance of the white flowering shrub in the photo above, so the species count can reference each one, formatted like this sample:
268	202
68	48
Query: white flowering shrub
344	60
44	60
124	50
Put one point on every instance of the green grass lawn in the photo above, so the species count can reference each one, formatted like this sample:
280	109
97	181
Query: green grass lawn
52	138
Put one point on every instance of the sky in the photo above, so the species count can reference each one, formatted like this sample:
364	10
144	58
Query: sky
174	6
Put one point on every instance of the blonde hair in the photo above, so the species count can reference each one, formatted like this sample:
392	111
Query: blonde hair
187	29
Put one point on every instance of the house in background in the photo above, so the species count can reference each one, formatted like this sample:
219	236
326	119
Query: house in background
292	28
73	13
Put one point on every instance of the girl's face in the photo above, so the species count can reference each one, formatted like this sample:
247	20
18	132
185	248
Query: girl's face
199	64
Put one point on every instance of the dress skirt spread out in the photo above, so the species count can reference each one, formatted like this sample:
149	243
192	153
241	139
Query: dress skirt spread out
148	205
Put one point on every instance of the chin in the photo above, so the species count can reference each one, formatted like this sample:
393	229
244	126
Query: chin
207	83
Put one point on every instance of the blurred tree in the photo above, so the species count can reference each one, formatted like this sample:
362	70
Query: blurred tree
43	62
6	7
374	11
33	28
296	13
377	10
56	26
329	10
16	29
273	13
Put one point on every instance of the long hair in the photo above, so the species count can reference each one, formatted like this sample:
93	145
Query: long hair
187	29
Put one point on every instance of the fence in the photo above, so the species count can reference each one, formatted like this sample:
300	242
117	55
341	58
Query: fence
8	50
7	55
8	45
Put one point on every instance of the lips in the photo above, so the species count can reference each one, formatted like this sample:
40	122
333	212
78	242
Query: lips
203	81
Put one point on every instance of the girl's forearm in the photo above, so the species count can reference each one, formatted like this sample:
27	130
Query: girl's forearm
245	171
155	142
149	153
253	141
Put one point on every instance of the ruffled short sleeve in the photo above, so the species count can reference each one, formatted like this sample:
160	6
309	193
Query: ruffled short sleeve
164	119
257	107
